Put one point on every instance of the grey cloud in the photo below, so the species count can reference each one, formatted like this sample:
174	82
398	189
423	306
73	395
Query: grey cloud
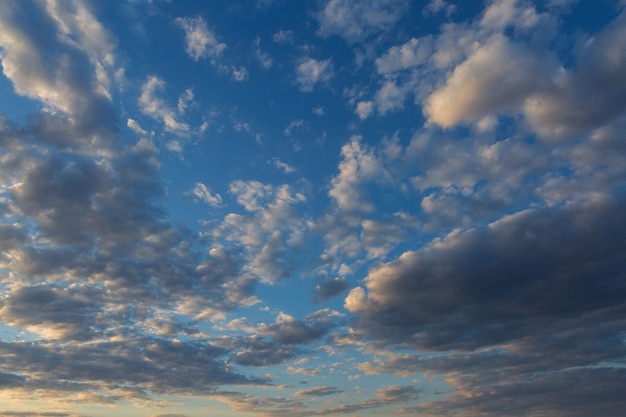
142	363
95	259
329	288
67	81
557	101
575	392
317	392
288	330
488	286
260	352
266	406
61	313
384	396
590	96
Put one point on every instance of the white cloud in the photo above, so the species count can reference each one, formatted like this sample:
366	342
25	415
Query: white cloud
269	231
239	74
153	106
283	36
437	6
174	146
364	109
411	54
136	127
204	194
391	96
286	168
359	166
311	71
517	13
241	126
318	111
356	20
201	42
264	60
185	100
299	124
498	77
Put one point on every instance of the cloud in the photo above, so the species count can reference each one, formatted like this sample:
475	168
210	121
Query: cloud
299	124
270	231
204	194
498	284
556	101
329	288
264	60
411	54
286	168
287	330
201	42
75	82
93	270
258	352
359	165
136	127
311	71
355	20
153	106
364	109
318	392
283	36
498	77
438	6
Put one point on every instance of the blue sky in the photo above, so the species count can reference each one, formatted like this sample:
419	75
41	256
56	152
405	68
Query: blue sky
312	208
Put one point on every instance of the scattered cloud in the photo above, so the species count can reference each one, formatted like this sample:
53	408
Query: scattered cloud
310	71
200	41
355	21
155	107
204	194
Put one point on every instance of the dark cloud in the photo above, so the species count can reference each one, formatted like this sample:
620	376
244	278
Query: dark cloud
288	330
522	312
576	392
317	392
500	283
140	364
384	396
329	288
260	352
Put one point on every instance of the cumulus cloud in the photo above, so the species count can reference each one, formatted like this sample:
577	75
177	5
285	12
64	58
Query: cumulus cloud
411	54
483	287
288	330
90	261
155	107
76	82
204	194
317	392
283	36
270	231
496	78
264	60
556	101
359	165
201	42
311	71
329	288
355	20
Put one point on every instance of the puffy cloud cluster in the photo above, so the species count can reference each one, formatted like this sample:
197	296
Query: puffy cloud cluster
94	273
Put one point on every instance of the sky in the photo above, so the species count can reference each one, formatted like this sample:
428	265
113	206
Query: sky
312	208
